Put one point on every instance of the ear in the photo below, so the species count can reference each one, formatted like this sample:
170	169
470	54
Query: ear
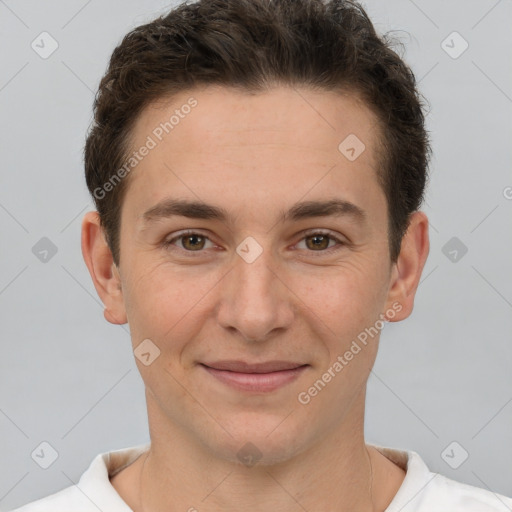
406	272
104	273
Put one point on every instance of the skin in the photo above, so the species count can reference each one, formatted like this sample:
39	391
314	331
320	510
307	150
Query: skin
256	155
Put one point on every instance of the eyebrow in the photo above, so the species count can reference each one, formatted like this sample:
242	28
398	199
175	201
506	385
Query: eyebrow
191	209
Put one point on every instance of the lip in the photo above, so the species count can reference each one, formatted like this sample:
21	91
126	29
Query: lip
261	377
243	367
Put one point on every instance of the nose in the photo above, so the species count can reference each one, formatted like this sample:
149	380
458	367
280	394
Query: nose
254	299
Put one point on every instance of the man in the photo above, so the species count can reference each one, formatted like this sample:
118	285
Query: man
258	168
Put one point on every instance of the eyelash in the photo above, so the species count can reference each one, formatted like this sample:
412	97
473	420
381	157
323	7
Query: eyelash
169	243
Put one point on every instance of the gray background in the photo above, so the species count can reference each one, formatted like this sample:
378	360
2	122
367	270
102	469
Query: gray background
69	378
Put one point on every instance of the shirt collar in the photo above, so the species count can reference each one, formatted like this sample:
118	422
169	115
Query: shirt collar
95	482
417	476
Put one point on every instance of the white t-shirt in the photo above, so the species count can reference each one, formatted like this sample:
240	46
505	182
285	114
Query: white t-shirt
421	490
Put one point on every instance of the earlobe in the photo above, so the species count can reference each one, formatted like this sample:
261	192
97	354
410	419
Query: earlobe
104	273
407	271
109	317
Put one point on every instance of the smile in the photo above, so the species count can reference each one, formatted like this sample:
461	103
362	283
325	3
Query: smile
256	382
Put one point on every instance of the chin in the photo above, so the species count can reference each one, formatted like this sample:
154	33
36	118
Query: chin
265	442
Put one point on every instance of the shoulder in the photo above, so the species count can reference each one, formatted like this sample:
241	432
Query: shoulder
61	501
425	491
94	490
443	493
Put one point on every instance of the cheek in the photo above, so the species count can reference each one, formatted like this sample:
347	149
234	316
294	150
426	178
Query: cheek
340	304
152	301
162	301
345	291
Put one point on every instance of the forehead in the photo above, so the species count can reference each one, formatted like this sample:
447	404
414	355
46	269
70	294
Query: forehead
220	142
321	118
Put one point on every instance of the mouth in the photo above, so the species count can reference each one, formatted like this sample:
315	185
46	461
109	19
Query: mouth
257	377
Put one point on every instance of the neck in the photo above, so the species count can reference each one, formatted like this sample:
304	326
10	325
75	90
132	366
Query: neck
334	473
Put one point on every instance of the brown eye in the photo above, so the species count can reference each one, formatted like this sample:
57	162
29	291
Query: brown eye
193	242
189	241
318	241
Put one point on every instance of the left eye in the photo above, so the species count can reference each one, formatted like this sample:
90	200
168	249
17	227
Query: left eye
318	241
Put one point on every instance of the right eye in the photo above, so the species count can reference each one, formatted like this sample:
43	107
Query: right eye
191	241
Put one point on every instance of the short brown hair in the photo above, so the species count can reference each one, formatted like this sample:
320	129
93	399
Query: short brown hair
252	45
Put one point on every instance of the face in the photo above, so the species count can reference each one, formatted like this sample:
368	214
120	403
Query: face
257	277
